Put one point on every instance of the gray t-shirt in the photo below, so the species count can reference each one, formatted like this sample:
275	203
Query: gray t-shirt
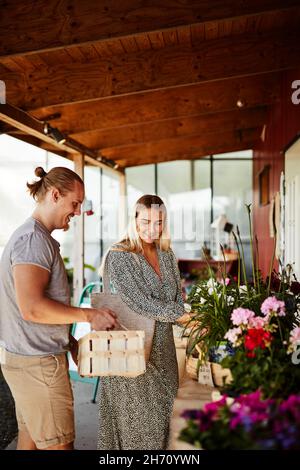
33	244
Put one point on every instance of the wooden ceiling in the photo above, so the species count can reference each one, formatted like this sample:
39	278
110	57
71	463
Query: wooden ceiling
140	81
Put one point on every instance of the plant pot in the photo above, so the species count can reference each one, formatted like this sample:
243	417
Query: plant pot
220	375
192	367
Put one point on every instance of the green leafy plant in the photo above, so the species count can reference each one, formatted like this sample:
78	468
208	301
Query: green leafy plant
212	302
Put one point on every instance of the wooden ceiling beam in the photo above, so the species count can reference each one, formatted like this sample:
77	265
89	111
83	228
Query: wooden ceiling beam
202	152
187	145
33	127
192	100
142	71
153	131
47	25
227	142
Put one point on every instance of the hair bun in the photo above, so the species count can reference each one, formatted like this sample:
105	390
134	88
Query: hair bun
40	172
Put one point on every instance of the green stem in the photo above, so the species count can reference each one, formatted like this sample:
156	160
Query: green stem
239	259
280	331
257	264
251	244
271	264
243	260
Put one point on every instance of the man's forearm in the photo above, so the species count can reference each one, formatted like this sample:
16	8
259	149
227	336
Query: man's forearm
50	311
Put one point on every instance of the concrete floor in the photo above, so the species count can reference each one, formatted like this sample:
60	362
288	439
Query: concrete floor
86	418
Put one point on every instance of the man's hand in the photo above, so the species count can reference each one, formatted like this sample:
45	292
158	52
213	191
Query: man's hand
73	347
101	319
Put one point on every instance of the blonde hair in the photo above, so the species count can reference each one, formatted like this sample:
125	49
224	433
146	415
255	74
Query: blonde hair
59	177
131	242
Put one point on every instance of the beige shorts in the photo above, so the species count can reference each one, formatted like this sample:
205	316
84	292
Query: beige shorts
43	397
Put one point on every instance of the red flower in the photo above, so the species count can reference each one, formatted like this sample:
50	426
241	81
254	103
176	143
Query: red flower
256	338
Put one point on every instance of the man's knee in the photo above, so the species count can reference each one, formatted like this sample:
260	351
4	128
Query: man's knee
69	446
25	441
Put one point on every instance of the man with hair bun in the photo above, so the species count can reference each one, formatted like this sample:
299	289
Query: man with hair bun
35	315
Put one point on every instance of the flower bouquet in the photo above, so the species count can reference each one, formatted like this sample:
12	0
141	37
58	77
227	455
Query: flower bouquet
274	303
245	422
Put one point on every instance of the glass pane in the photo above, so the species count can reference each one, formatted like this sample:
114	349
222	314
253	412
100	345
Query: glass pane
174	177
18	161
231	193
188	209
241	154
92	235
110	209
140	180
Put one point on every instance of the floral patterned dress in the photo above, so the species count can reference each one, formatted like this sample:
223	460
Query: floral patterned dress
134	413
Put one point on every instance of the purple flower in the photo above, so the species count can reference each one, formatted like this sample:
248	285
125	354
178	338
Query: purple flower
273	305
213	407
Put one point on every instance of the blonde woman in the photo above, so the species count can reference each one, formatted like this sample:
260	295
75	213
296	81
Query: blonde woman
135	412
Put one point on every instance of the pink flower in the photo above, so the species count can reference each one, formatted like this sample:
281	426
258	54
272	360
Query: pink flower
273	305
295	336
258	322
225	281
232	334
241	316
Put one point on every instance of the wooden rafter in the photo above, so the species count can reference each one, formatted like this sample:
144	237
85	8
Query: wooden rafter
33	127
214	148
153	70
188	101
28	27
137	134
182	147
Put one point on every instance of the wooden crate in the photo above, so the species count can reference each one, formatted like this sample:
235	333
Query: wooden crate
112	353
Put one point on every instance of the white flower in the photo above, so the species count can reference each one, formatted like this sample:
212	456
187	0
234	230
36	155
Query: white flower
211	283
230	300
202	300
243	289
187	308
233	334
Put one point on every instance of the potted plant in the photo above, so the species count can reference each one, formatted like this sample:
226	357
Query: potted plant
214	301
243	423
265	345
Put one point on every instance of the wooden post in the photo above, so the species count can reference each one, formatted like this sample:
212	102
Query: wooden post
122	205
78	277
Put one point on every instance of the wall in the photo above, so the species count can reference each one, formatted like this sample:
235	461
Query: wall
283	124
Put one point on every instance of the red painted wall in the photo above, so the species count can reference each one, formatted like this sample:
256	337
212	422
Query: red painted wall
282	126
